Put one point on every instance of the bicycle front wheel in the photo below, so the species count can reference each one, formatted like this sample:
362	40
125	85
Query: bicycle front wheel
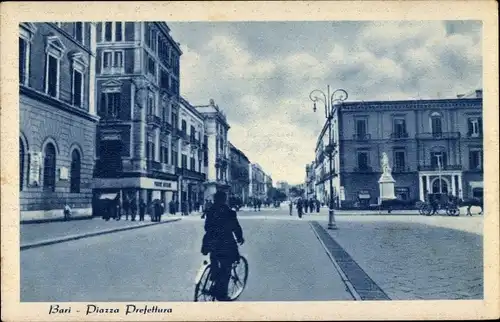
203	288
238	279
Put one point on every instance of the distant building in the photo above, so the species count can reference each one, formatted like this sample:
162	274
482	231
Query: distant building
257	182
284	186
310	181
137	86
239	174
433	146
268	184
190	169
57	118
216	158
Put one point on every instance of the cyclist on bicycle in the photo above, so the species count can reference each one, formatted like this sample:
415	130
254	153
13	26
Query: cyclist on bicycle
221	228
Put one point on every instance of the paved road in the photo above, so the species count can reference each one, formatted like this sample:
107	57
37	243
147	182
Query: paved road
159	263
408	257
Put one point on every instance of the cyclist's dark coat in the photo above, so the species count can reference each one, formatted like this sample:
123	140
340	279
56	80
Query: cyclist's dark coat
220	224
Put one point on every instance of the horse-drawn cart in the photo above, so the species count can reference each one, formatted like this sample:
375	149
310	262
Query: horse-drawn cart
439	201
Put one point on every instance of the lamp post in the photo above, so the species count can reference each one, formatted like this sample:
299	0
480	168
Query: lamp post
329	101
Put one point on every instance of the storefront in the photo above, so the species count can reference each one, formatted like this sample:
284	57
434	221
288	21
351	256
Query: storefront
135	189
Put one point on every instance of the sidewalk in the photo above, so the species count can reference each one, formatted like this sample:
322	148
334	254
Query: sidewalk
35	235
434	258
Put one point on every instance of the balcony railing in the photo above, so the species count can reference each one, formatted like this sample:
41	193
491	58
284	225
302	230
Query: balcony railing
166	127
154	120
438	136
361	137
190	174
474	135
154	165
363	169
399	135
436	168
400	169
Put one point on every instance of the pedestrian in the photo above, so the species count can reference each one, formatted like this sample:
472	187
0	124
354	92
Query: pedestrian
184	208
434	204
259	203
318	204
125	207
290	206
142	210
311	205
133	209
305	205
171	207
67	211
299	208
118	213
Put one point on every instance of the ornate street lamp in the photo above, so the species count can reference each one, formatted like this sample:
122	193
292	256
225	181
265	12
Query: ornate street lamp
330	104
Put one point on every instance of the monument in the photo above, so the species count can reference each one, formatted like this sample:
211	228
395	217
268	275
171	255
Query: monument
386	181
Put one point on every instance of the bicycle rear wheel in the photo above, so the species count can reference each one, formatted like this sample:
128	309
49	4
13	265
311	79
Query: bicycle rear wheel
203	289
238	279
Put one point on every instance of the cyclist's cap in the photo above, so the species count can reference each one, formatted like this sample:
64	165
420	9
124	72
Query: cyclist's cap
220	197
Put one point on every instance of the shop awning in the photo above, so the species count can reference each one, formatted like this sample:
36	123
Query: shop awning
108	196
364	196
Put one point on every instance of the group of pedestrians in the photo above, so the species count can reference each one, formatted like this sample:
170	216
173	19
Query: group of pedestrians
113	209
304	205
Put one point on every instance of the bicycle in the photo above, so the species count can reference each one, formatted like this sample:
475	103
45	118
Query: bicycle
205	283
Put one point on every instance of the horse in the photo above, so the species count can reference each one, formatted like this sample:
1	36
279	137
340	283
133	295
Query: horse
478	202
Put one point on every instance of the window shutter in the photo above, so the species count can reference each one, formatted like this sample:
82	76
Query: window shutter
470	130
480	125
102	105
471	160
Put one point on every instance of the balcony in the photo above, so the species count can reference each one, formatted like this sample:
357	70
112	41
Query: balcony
454	167
366	169
400	169
166	127
154	120
184	137
190	174
361	137
176	133
399	135
474	135
438	136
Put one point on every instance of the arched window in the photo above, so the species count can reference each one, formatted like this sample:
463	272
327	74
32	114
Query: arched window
436	124
49	167
75	172
21	164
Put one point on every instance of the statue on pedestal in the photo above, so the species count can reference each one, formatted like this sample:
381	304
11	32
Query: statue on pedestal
386	181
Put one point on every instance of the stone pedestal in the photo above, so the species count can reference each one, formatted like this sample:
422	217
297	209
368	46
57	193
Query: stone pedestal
386	187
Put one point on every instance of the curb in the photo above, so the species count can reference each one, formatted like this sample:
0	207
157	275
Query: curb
59	219
91	234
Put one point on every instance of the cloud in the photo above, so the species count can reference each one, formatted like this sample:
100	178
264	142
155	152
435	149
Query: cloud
261	74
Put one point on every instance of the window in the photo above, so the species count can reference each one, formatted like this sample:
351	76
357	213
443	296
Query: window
164	154
192	164
78	31
174	158
184	161
49	167
436	125
21	164
184	126
475	159
107	59
118	59
400	128
24	59
108	31
362	160
151	66
110	105
475	126
193	132
164	113
174	120
52	76
438	159
75	172
151	103
112	61
164	79
399	160
77	88
361	129
118	31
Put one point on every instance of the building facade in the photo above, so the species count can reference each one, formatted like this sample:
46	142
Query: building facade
239	174
190	168
310	180
257	182
138	137
216	148
283	186
321	170
433	146
57	117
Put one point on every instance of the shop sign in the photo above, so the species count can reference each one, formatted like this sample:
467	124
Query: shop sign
63	173
342	193
162	184
34	168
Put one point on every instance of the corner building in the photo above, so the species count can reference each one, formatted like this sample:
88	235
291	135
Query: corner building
57	118
433	146
137	86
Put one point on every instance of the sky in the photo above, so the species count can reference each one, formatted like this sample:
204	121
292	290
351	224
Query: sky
261	73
